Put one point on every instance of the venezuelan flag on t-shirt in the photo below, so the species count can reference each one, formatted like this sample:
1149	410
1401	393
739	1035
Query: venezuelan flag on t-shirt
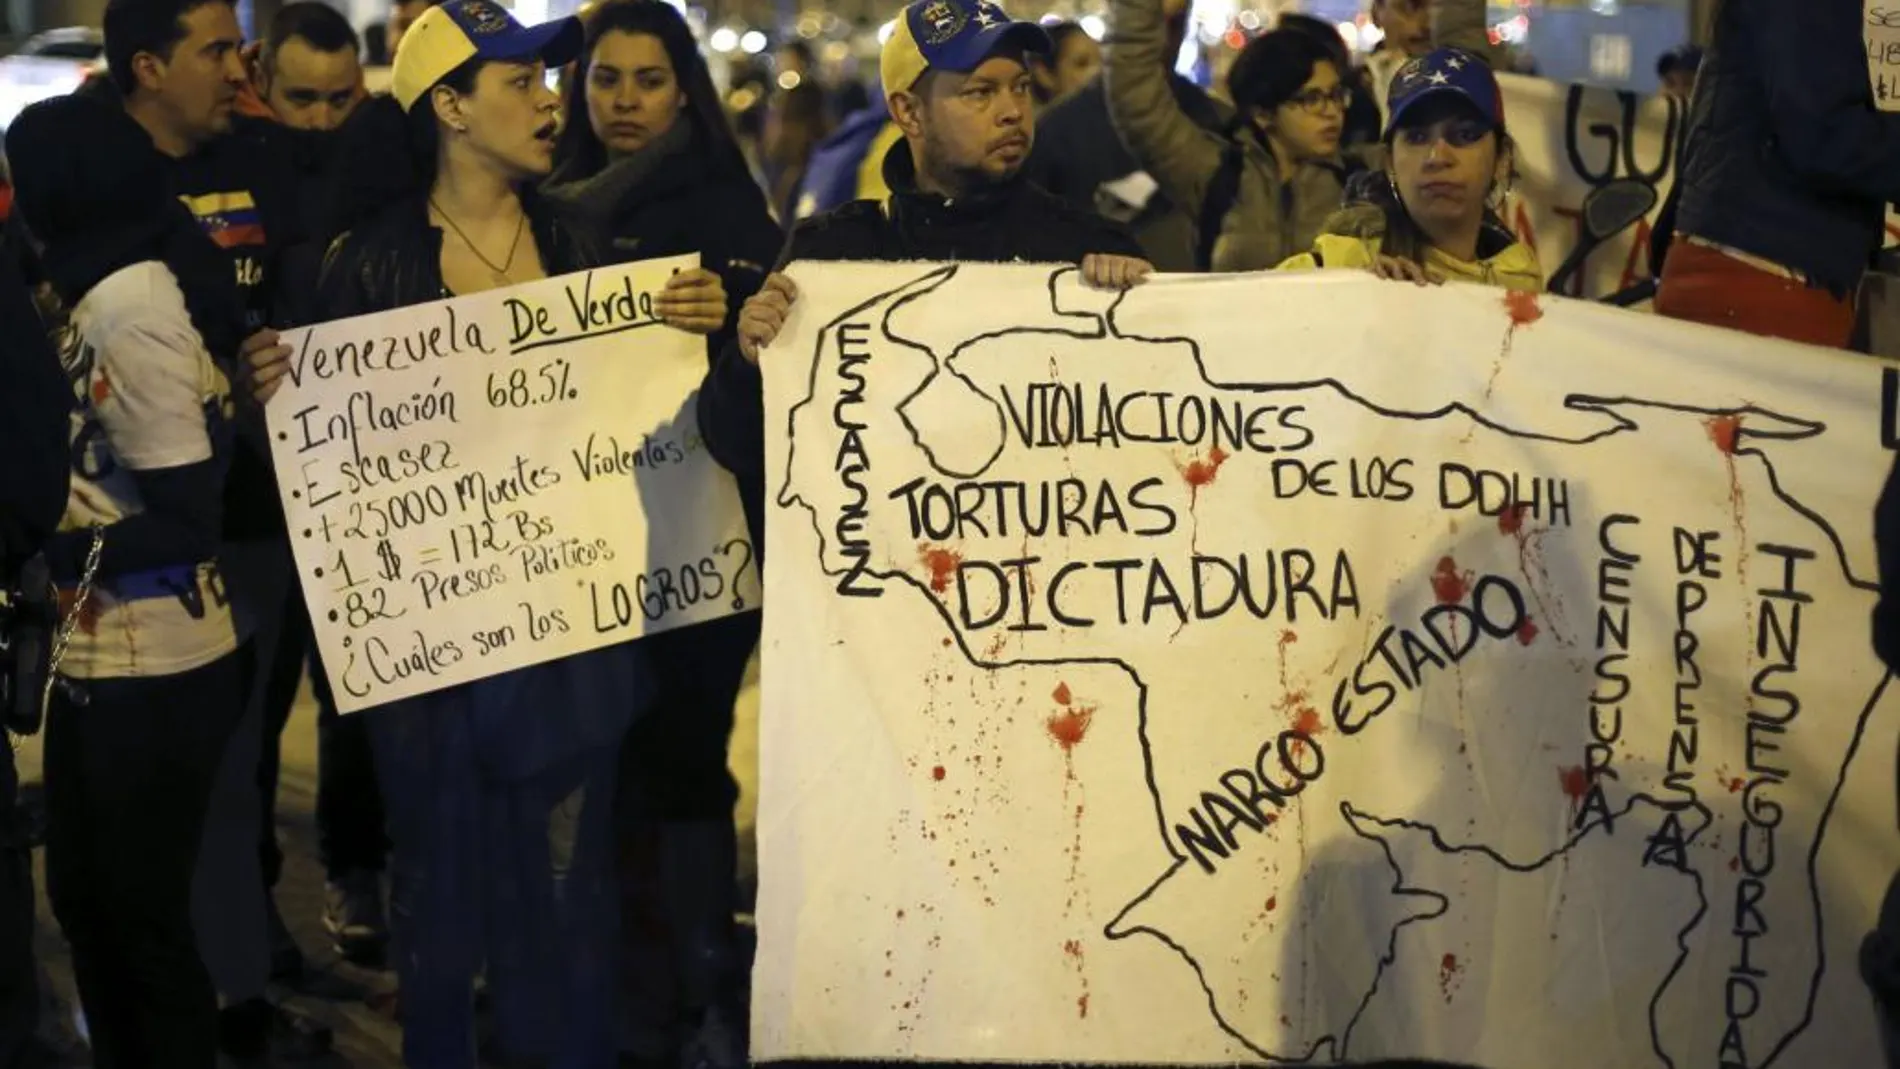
230	219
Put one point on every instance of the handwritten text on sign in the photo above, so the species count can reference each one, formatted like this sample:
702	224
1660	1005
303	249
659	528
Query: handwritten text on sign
503	479
1882	35
1314	696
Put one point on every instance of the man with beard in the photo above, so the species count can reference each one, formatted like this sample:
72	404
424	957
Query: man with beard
956	75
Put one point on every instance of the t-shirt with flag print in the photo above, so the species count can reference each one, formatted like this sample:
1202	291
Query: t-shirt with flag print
241	198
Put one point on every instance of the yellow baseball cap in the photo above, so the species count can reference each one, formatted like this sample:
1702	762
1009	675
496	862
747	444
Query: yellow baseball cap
950	35
451	34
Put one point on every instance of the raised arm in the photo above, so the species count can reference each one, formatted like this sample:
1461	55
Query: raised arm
1180	155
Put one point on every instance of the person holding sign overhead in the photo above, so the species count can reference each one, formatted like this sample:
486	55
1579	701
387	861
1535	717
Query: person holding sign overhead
1430	217
498	792
648	160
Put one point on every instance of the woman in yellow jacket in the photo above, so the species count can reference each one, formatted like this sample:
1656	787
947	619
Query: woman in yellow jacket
1429	218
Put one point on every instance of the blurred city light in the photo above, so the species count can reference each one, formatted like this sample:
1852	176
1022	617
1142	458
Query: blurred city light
752	43
724	39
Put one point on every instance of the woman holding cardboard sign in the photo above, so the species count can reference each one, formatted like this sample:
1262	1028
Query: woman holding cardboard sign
498	792
648	160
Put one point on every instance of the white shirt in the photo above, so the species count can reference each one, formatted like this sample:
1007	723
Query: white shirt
149	397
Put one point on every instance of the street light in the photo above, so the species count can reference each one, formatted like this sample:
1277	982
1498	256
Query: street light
724	40
752	43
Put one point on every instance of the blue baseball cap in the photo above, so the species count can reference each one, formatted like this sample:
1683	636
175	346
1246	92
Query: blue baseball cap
951	35
451	34
1447	72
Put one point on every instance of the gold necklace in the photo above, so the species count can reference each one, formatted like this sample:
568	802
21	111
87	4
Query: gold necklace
500	273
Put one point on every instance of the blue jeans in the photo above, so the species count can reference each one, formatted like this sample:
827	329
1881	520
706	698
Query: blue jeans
514	872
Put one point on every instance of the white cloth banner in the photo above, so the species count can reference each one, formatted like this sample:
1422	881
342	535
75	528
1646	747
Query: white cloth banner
502	479
1311	667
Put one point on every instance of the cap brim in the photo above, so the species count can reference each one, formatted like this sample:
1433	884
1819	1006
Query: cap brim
968	54
1437	92
556	43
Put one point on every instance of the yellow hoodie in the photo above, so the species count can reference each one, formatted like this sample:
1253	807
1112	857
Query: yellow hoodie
1353	236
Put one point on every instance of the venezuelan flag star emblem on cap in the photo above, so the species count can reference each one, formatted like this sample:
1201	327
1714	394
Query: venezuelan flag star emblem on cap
951	35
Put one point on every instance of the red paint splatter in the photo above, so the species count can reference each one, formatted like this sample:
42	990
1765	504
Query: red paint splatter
1082	1004
1307	722
1448	583
1511	520
1071	726
1288	638
1062	695
946	643
938	773
1526	632
1724	431
1072	948
1735	785
1523	307
943	566
1200	473
1448	967
1576	783
1273	903
1735	864
101	389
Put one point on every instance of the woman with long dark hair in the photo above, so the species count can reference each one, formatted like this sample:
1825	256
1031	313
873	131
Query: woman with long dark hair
499	793
1431	216
1261	191
648	159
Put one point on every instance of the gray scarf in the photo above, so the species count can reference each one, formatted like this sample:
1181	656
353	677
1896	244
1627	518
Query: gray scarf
596	198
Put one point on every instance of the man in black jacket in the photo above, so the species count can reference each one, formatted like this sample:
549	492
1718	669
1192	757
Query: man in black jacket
959	89
177	68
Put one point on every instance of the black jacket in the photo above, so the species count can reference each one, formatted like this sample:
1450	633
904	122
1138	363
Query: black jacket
395	259
689	201
1077	151
35	410
1015	222
1786	157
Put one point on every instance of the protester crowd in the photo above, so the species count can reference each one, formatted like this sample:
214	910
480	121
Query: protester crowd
533	829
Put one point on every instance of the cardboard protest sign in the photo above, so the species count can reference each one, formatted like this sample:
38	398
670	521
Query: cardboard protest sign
1882	37
1310	668
503	479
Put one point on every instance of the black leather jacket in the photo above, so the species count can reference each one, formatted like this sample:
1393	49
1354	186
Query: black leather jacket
1786	157
395	260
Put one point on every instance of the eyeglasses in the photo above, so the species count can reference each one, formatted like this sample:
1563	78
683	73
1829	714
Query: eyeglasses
1315	100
